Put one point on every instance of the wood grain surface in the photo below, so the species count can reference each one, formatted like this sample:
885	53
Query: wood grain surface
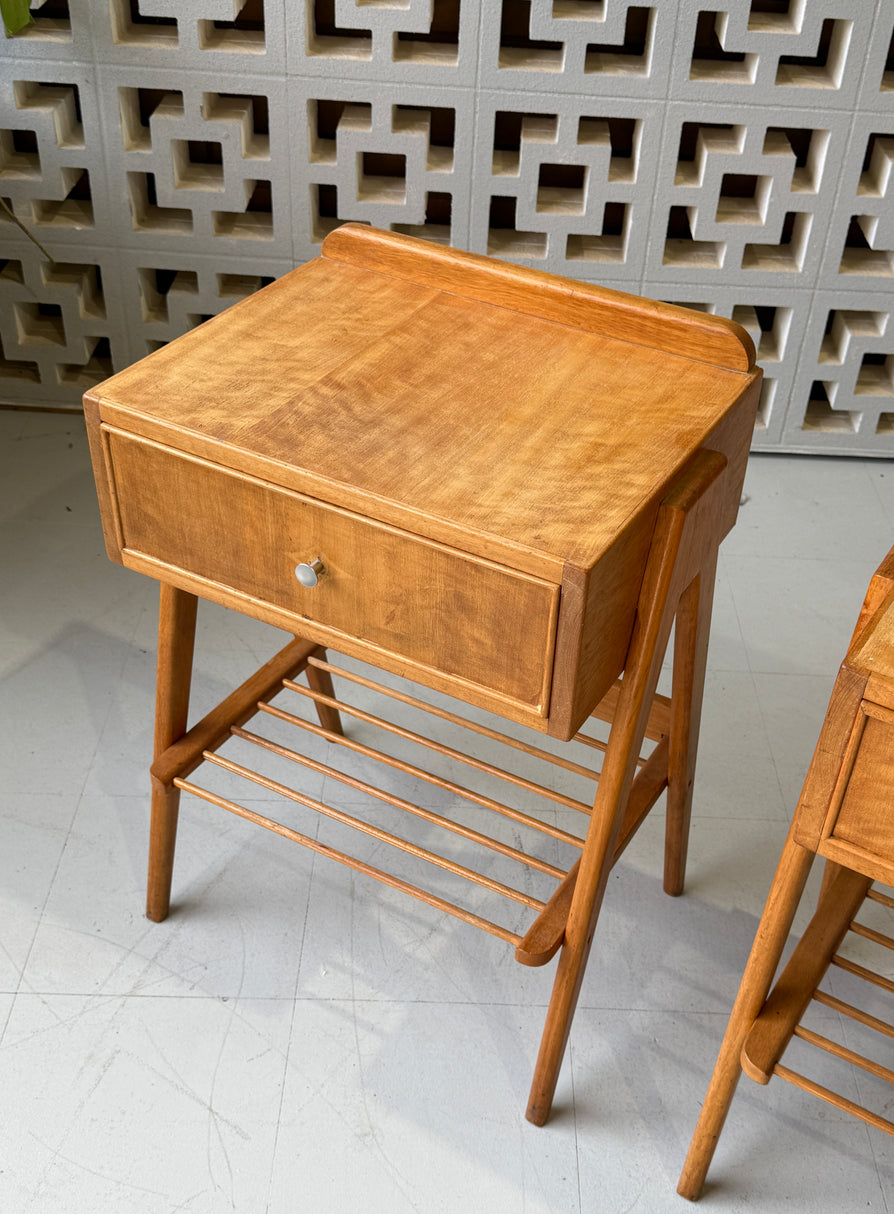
483	429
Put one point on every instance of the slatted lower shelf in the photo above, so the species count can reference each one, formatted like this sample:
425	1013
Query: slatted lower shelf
494	816
867	979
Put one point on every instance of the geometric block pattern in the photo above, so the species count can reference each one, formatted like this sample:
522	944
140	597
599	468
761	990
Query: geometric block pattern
848	375
204	32
383	164
59	332
413	40
60	30
165	297
863	250
776	53
50	161
173	156
610	48
750	197
197	165
396	157
569	188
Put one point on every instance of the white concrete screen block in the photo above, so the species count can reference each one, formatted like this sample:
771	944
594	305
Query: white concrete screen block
172	156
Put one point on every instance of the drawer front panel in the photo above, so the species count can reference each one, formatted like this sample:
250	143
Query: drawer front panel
862	817
438	608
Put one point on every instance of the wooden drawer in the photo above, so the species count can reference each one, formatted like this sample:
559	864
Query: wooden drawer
856	820
452	620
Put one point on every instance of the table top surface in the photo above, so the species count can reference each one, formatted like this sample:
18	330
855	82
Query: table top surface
873	651
355	385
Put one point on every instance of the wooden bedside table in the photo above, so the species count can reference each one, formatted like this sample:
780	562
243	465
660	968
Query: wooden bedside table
500	484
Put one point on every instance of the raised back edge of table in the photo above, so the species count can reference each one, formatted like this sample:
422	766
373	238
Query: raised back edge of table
704	338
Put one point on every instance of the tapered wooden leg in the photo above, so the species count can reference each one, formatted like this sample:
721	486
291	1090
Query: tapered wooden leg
596	863
321	681
772	933
162	838
686	527
691	635
176	640
618	769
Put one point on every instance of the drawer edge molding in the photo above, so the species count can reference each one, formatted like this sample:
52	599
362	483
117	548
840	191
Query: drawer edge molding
469	692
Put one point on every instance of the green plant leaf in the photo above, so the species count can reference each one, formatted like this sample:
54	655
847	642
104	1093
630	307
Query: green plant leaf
15	15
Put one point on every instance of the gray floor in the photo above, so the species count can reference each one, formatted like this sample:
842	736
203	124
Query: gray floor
296	1038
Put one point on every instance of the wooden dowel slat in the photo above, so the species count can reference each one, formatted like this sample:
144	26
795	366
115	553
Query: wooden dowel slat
186	753
869	933
841	1051
862	972
376	832
410	769
586	740
448	752
418	811
596	744
875	895
833	1098
854	1013
454	719
359	866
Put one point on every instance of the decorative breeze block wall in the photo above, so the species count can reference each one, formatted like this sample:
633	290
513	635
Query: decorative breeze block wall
172	156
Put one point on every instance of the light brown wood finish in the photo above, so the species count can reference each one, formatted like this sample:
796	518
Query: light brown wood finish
179	751
341	857
391	589
684	541
408	419
691	635
658	724
837	1101
793	991
581	305
448	752
420	773
176	642
648	786
773	931
443	714
376	832
418	811
843	815
547	934
854	1013
513	483
185	753
868	975
880	587
399	402
320	680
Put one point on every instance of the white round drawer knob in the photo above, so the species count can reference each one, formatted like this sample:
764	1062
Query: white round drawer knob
309	574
